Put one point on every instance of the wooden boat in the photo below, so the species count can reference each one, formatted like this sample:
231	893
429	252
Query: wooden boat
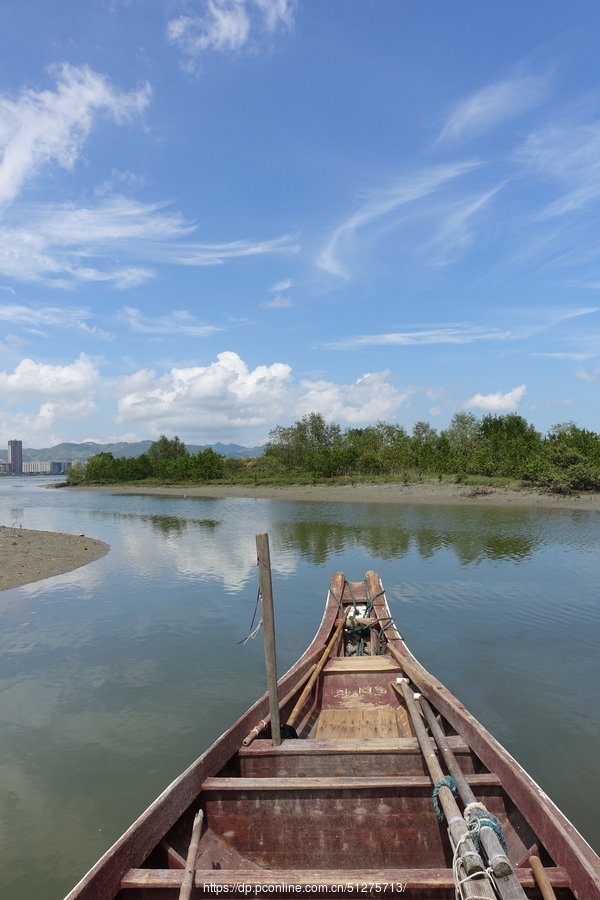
347	807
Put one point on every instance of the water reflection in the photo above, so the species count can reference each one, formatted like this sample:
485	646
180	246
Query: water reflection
319	540
164	524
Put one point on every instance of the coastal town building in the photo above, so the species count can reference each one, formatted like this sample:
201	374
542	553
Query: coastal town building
15	456
45	467
15	465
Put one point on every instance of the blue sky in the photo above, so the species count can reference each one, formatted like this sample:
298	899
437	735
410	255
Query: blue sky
219	215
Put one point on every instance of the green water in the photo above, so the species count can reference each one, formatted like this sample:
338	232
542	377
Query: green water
115	677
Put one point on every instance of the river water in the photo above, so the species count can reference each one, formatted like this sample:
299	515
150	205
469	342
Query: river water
115	677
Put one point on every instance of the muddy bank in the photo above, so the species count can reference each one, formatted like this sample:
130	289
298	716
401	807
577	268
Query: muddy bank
427	492
27	556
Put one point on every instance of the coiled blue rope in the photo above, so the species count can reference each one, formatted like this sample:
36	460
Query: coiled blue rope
444	782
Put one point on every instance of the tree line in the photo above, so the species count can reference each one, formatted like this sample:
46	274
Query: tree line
166	459
496	446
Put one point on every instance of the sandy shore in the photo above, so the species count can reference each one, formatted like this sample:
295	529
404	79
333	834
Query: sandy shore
28	556
427	492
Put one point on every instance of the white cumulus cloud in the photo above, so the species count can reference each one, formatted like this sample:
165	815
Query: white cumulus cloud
369	399
75	381
209	400
498	402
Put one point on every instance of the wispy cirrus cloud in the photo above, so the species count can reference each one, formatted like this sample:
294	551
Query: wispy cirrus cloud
569	155
51	126
382	204
282	285
524	324
36	318
498	402
491	105
63	245
588	377
454	234
229	25
458	333
177	322
278	302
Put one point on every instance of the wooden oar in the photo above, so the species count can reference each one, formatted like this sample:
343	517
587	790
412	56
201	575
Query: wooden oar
508	884
541	878
458	832
190	865
305	693
264	722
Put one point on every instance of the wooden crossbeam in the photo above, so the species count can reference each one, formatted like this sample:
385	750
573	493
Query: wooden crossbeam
361	746
245	785
415	879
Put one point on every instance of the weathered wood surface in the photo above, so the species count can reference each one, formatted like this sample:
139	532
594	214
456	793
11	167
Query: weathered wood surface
268	620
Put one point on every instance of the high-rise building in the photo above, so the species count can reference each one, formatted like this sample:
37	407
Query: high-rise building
15	456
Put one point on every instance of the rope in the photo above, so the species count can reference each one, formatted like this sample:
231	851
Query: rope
444	782
457	864
357	636
478	817
257	629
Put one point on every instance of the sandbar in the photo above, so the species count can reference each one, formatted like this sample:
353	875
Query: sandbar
27	556
422	493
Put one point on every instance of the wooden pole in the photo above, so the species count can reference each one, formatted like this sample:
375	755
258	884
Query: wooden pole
296	710
457	827
541	878
264	722
266	604
190	864
507	882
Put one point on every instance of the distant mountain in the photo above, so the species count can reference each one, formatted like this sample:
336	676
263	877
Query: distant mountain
66	452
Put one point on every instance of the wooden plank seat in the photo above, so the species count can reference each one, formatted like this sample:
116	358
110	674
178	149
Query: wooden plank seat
375	756
415	879
364	747
381	782
348	664
332	757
